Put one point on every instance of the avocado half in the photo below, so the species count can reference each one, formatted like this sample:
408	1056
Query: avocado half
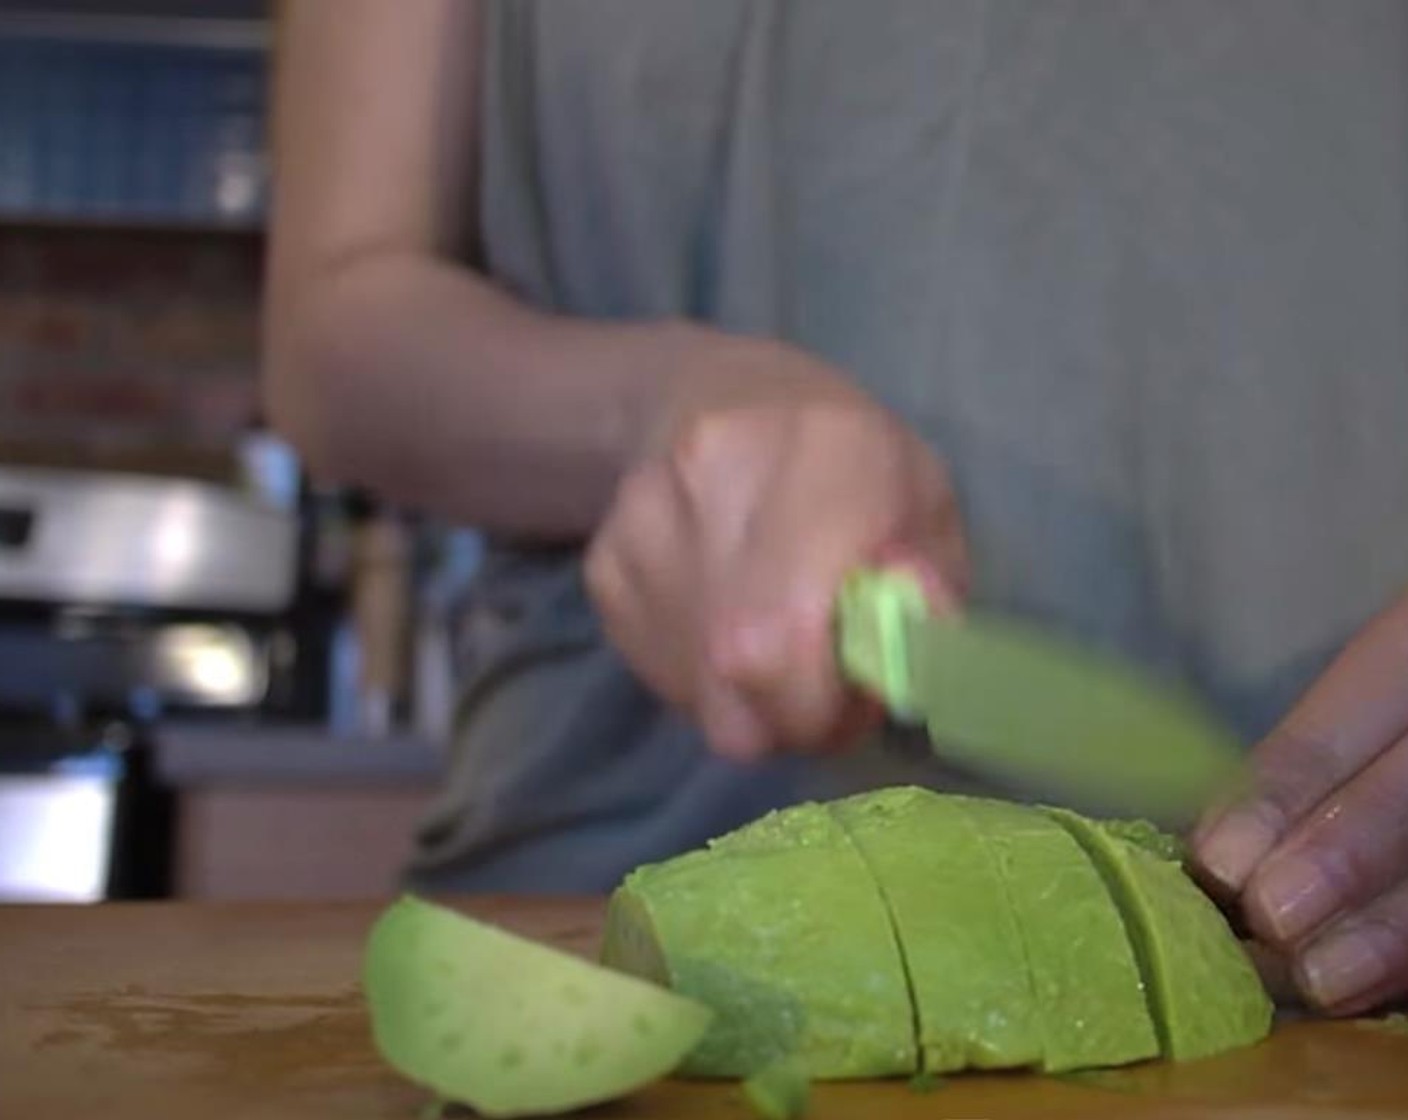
904	931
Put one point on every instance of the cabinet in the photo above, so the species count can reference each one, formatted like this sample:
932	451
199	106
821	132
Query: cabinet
133	118
293	812
304	840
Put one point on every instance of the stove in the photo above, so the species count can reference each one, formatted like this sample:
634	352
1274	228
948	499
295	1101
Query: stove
123	599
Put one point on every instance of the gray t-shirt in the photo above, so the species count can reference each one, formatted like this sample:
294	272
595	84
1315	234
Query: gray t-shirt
1138	269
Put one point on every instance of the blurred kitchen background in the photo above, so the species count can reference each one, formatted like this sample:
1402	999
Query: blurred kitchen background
217	679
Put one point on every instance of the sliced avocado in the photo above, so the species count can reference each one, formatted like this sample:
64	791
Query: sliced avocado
510	1027
1148	836
1206	994
957	930
808	825
782	931
1086	982
779	1091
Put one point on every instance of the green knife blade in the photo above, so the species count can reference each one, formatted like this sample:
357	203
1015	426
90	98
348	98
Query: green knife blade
1008	699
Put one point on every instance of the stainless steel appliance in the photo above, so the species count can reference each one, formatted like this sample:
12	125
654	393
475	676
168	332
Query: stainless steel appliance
122	598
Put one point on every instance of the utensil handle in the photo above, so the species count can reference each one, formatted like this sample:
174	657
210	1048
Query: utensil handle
872	610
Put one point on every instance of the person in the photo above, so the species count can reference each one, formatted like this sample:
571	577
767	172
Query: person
1088	310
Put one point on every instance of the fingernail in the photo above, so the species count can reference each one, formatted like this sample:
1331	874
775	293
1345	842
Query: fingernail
1340	968
1235	846
1293	897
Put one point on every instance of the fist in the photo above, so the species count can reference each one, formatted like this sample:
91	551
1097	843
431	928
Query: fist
717	566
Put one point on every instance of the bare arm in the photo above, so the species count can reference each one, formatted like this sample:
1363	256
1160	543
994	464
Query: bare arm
726	483
389	362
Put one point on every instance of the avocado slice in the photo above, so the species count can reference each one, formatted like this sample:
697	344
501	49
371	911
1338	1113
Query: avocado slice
1089	994
808	825
779	1091
957	931
1205	993
510	1027
1147	835
780	929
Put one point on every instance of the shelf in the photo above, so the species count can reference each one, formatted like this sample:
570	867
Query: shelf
262	754
44	222
141	30
144	124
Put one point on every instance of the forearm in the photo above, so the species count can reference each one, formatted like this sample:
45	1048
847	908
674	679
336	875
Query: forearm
388	364
425	383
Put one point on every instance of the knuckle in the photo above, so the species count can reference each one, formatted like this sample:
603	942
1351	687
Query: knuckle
717	453
1349	870
1270	814
1361	843
811	724
705	440
936	484
1344	874
1385	931
601	572
810	728
640	491
871	444
841	423
1381	936
1295	768
808	707
642	517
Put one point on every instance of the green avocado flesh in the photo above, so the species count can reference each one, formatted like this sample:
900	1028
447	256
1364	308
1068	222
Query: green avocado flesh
779	1091
1085	979
1144	835
963	950
488	1019
889	934
903	930
1206	995
780	928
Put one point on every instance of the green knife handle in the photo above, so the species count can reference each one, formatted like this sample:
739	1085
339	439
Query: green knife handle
872	610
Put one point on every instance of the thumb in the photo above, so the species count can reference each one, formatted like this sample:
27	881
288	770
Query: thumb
939	566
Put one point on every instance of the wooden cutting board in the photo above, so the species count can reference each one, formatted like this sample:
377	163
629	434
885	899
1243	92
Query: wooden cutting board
208	1012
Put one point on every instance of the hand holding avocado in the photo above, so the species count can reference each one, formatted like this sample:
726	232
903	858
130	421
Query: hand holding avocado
1317	857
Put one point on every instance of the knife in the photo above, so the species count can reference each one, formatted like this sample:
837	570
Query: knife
1008	699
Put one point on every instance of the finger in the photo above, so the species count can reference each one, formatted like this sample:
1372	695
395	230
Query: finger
639	569
1361	961
935	556
1350	715
936	541
712	471
1277	972
1352	847
624	623
731	725
780	660
718	464
833	501
860	716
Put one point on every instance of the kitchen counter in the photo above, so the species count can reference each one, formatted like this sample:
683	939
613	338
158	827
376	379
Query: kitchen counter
252	1010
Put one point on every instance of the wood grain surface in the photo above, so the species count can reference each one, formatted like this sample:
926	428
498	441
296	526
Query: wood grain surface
252	1010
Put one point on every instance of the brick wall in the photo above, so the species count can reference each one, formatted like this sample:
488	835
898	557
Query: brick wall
126	344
